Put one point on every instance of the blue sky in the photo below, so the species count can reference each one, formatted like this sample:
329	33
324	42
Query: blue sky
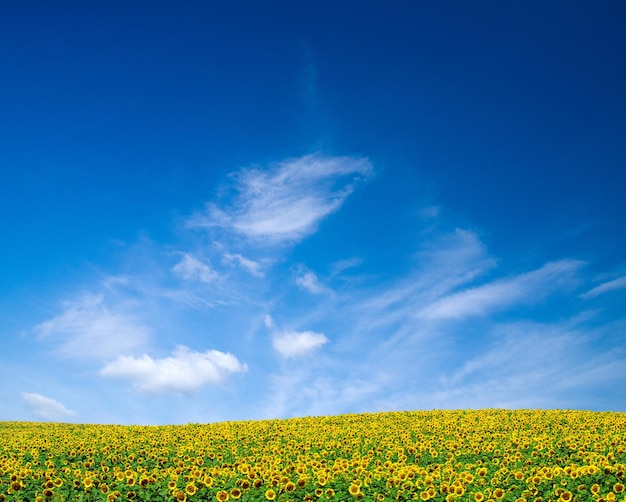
243	211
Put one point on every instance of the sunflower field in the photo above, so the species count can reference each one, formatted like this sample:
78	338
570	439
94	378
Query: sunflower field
482	455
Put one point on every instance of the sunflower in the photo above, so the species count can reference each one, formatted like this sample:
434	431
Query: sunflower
354	490
235	493
618	488
48	493
330	493
290	486
191	489
319	492
222	495
566	496
498	493
270	494
479	497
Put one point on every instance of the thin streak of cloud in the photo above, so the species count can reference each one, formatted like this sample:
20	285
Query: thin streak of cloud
286	202
503	293
619	283
340	266
448	262
310	82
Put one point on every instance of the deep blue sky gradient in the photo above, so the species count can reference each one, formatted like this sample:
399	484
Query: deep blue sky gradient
494	137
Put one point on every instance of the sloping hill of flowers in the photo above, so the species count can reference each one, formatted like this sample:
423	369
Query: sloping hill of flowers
481	455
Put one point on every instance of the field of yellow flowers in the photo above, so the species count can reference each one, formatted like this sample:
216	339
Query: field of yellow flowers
484	455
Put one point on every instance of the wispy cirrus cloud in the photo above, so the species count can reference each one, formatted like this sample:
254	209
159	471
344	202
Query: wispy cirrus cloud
45	407
530	364
184	371
340	266
503	293
294	344
285	202
303	391
89	328
619	283
444	264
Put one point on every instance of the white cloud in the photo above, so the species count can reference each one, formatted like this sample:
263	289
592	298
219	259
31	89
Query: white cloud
310	282
619	283
287	201
250	265
45	407
89	329
503	293
190	268
186	370
293	344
